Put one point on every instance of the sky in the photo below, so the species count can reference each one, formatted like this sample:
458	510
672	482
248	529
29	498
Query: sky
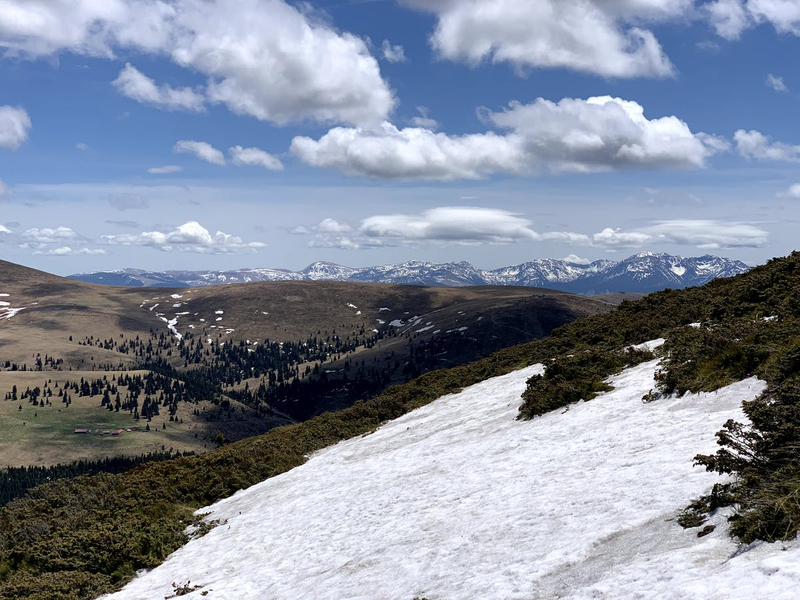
221	134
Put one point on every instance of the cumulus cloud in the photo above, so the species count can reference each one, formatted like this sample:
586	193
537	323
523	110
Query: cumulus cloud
263	58
729	18
603	37
165	170
67	251
410	153
393	53
755	145
576	260
254	157
202	150
793	191
4	229
332	226
776	83
48	235
137	86
732	17
189	237
55	241
14	126
573	135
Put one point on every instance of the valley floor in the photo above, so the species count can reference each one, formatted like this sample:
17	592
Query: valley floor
460	500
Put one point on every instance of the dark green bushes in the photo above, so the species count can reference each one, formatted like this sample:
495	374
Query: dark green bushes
569	379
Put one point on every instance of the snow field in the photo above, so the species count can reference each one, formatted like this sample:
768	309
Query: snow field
460	500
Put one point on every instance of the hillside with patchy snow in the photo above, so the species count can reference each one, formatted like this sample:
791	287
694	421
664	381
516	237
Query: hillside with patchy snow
459	499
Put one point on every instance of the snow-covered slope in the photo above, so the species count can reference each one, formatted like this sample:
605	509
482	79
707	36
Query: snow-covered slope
460	500
643	273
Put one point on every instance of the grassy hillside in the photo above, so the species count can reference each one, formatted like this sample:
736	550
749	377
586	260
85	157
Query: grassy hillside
246	357
78	538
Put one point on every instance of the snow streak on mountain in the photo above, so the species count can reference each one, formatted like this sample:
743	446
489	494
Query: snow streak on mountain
460	500
643	273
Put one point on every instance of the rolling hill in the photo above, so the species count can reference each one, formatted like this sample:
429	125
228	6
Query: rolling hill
246	357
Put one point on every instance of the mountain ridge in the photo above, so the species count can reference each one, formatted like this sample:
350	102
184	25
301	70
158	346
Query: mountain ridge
644	272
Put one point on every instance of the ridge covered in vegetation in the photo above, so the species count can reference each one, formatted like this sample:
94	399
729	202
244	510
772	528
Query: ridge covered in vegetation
83	537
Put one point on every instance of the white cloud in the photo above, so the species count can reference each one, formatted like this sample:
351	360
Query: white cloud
332	226
451	224
576	260
754	144
55	241
776	83
793	191
47	235
254	157
709	234
165	170
4	229
189	237
338	242
784	15
81	146
464	225
731	18
603	37
262	58
573	135
393	53
14	125
68	251
616	238
202	150
411	153
424	120
604	133
137	86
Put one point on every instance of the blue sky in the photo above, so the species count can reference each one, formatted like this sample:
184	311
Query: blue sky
191	134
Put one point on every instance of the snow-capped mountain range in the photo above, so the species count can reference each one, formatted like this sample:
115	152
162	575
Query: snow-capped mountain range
642	273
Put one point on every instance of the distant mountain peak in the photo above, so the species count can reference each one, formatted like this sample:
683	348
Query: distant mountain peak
644	272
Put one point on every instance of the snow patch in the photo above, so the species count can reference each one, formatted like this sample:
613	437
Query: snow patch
458	499
397	323
678	270
176	296
648	346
